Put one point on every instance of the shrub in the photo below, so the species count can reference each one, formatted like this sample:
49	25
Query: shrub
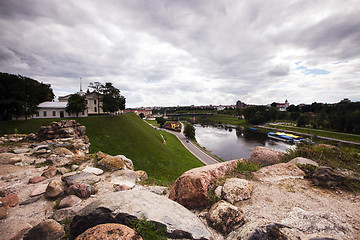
148	230
246	168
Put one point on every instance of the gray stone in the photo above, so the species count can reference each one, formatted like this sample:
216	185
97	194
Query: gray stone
13	228
279	172
74	167
124	177
303	161
263	230
30	200
123	207
50	172
128	163
69	201
218	191
225	217
159	190
80	177
61	151
328	177
22	150
39	189
46	230
236	189
141	176
58	160
93	170
315	222
9	158
54	189
65	213
265	156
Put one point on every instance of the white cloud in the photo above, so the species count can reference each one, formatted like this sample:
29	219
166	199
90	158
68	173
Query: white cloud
188	52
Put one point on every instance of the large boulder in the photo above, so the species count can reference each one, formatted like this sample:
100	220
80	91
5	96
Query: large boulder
265	156
109	231
278	172
236	189
116	163
124	177
263	230
125	206
191	189
224	217
313	222
328	177
46	230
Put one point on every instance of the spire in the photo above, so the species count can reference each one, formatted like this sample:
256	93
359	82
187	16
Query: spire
80	86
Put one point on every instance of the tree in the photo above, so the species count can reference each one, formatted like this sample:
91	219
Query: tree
113	101
19	95
141	115
76	104
161	121
302	120
189	131
273	113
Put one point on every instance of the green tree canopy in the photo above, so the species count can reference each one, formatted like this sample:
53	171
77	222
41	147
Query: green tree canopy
161	121
19	95
113	101
76	104
189	131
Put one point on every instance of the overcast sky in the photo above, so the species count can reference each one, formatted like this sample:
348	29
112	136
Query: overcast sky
183	52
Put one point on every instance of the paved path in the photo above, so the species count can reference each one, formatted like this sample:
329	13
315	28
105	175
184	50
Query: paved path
192	147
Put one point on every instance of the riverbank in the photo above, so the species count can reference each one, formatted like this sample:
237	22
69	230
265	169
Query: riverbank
320	134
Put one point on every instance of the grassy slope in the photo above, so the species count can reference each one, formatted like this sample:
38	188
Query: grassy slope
130	136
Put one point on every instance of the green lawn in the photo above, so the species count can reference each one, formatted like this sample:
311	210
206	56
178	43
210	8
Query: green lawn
130	136
322	133
220	119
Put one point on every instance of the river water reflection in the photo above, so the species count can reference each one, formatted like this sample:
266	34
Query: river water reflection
234	143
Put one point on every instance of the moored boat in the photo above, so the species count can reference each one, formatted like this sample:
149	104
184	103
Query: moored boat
285	137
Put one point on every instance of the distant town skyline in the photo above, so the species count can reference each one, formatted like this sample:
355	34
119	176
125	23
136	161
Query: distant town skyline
182	53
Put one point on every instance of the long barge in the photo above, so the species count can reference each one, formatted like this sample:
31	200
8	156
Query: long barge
285	137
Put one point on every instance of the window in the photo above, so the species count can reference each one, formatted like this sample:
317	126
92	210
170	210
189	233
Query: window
54	113
95	102
37	114
95	109
44	113
86	101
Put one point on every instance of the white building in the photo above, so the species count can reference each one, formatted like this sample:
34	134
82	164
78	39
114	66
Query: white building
55	110
93	102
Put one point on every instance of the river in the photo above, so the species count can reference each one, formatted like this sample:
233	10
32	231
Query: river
231	143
